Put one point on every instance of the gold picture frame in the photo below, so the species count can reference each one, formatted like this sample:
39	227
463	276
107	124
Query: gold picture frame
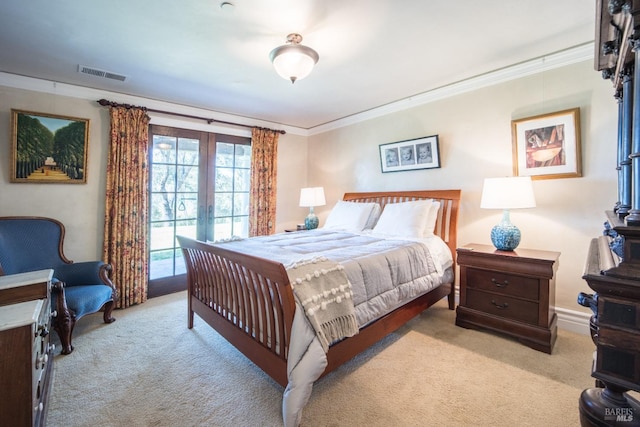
547	146
48	148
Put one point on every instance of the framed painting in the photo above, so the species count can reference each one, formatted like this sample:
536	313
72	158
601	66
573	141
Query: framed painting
48	148
547	146
412	154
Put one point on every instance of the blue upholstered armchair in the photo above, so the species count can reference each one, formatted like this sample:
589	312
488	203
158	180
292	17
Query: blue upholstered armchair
36	243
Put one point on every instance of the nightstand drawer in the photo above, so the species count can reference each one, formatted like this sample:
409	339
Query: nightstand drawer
502	283
503	306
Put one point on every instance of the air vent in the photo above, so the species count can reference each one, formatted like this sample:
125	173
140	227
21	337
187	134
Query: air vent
101	73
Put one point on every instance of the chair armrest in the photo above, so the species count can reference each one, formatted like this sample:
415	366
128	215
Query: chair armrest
84	273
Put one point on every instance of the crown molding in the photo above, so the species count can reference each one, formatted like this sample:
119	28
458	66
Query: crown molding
63	89
548	62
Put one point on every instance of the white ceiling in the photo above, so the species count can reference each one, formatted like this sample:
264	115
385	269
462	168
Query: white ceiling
195	53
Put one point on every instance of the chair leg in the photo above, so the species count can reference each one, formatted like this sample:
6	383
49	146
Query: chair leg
64	321
108	308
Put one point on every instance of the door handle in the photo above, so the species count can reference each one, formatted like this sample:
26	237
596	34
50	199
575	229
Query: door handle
200	214
210	215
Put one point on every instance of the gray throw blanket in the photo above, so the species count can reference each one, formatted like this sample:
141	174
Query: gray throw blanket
322	289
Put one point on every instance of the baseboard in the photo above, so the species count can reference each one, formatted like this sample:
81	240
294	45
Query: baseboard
574	321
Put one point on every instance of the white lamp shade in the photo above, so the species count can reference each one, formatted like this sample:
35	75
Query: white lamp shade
312	196
508	193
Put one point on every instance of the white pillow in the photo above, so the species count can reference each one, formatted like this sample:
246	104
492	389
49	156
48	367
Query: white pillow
349	216
373	217
406	219
432	217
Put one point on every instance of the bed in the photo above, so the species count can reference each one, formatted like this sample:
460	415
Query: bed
248	297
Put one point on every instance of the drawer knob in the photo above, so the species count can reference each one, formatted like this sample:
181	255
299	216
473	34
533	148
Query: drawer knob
500	306
498	284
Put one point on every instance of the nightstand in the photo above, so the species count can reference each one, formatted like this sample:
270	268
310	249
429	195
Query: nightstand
511	292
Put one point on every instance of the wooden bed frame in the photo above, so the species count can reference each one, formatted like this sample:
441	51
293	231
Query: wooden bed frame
235	293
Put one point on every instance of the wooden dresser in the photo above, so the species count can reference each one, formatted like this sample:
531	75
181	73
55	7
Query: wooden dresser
512	292
26	356
612	270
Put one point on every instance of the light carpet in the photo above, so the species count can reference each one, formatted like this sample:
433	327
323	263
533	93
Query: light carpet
148	369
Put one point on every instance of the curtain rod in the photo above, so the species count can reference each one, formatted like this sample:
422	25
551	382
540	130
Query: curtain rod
106	103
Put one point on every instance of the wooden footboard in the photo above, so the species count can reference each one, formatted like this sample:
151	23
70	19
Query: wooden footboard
240	295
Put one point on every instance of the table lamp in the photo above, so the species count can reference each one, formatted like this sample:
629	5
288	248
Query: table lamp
507	193
311	197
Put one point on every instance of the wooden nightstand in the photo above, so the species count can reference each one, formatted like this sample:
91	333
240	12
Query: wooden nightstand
509	292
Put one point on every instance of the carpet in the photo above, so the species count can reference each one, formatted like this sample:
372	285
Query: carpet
148	369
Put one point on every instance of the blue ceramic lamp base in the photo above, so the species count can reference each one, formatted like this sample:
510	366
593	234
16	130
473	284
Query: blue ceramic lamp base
505	236
311	222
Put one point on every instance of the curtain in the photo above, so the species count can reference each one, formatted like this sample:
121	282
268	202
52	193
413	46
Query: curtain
264	162
125	230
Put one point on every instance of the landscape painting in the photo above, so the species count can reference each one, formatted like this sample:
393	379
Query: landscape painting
48	148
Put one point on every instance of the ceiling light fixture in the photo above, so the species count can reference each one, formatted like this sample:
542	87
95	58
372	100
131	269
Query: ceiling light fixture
293	61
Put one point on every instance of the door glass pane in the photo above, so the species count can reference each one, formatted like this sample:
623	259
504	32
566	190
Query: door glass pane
180	267
224	205
187	206
224	179
164	149
224	154
188	151
161	264
174	201
161	235
243	156
241	203
187	177
241	226
233	181
222	228
163	177
186	228
162	206
242	180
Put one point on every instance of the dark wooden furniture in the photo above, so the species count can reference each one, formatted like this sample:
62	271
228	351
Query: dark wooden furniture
215	272
613	264
511	292
29	243
26	356
615	326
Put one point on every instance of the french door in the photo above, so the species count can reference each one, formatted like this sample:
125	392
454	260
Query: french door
199	188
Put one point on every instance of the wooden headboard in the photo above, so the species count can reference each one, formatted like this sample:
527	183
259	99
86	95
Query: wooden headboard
447	223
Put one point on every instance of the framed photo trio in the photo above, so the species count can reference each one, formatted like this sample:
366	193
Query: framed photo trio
412	154
547	146
48	148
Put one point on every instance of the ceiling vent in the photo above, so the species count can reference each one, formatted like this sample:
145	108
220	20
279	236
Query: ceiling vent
101	73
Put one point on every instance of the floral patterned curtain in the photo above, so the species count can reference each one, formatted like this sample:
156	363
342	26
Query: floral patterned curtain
125	229
264	169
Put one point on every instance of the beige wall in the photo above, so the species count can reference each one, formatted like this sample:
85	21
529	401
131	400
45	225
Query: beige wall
80	207
475	142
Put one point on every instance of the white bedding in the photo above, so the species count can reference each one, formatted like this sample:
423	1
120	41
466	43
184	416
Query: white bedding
384	273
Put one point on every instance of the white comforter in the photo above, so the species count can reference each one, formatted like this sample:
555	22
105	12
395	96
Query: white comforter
384	273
